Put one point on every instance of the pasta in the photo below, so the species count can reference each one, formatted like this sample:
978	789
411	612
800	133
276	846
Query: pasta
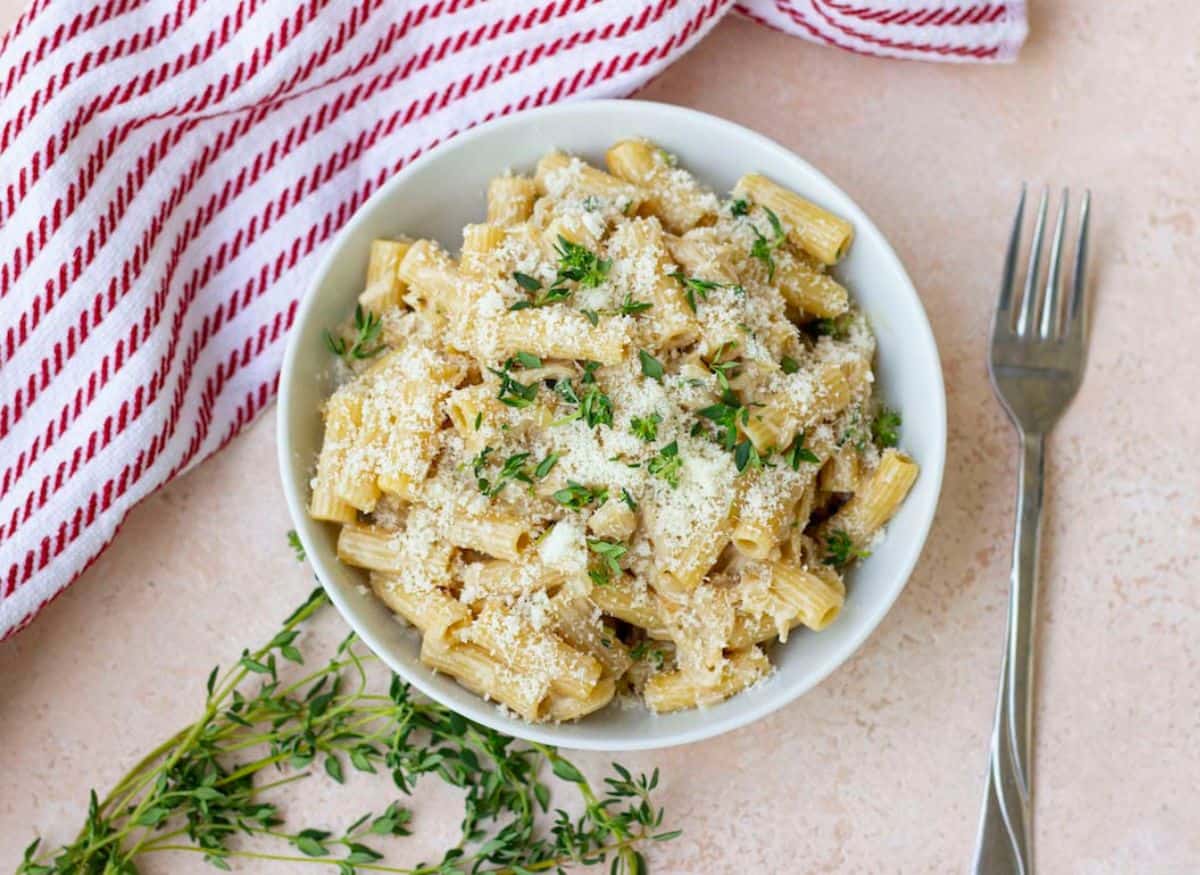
620	445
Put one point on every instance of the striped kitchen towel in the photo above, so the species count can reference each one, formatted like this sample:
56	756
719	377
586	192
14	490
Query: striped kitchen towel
171	170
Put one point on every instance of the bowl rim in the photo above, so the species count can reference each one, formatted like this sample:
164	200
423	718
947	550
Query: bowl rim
485	712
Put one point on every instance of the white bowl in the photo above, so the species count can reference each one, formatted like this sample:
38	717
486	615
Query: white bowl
444	190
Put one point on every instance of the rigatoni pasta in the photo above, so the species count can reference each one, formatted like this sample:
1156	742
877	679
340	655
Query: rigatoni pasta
620	445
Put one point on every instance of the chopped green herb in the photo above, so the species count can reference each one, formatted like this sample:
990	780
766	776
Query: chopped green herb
297	547
527	282
840	550
798	453
553	296
592	315
855	434
789	365
366	332
654	656
724	369
609	566
531	285
546	466
651	367
630	307
763	248
528	360
580	264
739	207
577	496
591	203
745	456
478	420
886	427
837	328
726	415
512	469
693	286
666	464
566	391
628	499
512	392
596	407
645	427
589	372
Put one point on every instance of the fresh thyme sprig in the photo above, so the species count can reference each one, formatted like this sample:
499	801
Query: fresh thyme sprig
840	549
885	427
575	263
608	566
297	548
645	427
763	248
577	496
580	264
207	789
367	326
594	406
667	464
693	286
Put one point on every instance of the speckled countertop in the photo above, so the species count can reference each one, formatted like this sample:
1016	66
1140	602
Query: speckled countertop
880	768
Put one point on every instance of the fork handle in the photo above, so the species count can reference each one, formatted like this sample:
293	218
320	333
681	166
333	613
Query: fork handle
1005	842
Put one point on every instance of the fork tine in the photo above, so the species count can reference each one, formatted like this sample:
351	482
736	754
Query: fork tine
1077	309
1029	299
1003	314
1052	295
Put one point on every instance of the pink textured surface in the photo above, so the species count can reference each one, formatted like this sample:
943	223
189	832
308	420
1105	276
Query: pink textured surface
880	768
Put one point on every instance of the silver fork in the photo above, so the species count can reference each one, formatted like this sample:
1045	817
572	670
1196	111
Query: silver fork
1036	363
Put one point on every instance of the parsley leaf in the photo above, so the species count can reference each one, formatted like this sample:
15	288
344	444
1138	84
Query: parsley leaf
645	427
666	464
651	367
628	499
840	550
886	427
789	365
592	315
739	207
